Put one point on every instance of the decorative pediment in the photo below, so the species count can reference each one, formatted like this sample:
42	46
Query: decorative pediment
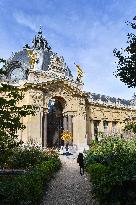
57	64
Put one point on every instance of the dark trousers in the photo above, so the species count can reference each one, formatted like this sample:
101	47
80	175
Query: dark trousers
81	170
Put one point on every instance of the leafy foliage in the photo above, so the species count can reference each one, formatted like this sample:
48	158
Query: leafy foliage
11	112
28	188
131	126
112	164
27	157
126	68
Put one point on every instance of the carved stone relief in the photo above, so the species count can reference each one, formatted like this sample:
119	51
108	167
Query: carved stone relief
37	97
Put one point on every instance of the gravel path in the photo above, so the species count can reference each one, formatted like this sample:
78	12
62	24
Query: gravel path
68	187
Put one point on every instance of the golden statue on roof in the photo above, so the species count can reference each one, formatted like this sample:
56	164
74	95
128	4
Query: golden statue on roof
79	72
33	57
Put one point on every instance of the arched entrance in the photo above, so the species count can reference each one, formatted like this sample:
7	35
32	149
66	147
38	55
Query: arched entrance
56	120
54	123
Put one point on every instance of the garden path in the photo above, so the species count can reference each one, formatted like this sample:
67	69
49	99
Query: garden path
68	187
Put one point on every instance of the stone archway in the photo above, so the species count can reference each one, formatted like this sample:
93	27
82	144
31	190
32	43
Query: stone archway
56	119
54	123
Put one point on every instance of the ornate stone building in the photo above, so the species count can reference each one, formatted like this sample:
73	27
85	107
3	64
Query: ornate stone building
62	103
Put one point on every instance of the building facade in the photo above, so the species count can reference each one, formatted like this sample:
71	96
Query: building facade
62	103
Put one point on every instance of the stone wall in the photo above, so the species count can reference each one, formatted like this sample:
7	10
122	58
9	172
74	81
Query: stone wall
101	115
83	118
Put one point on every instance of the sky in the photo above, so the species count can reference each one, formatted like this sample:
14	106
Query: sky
84	32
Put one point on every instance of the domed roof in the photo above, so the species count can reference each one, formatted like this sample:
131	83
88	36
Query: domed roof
45	60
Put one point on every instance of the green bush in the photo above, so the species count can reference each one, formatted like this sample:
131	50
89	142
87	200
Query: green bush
27	188
112	166
27	157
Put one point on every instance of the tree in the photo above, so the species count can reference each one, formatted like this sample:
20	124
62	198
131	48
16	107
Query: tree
126	68
11	113
126	65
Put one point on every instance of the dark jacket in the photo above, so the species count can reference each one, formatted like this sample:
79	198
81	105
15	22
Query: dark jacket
80	160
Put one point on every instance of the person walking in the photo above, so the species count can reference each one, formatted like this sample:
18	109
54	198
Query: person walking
80	160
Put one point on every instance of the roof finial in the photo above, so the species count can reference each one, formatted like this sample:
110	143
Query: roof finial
40	30
39	41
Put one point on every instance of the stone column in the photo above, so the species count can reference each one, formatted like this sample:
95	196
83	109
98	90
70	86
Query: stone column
44	129
70	127
65	127
92	129
110	128
101	129
118	127
70	123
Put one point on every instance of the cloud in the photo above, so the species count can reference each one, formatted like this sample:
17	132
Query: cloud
86	34
25	20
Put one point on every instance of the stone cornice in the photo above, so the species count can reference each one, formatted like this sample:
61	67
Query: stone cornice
111	106
74	90
55	83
